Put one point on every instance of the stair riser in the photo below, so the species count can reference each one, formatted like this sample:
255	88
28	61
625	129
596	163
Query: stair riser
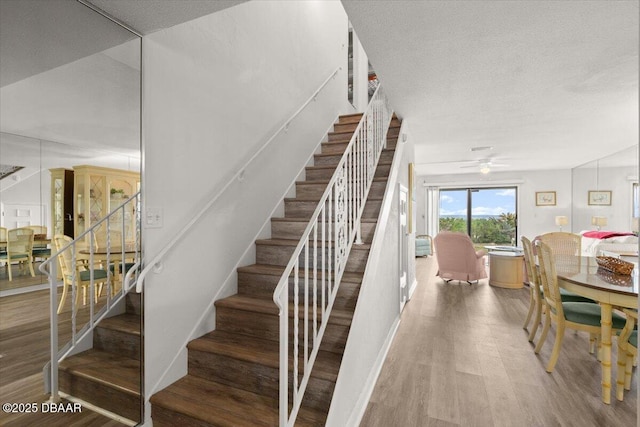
303	209
163	417
324	174
346	136
117	342
338	147
111	399
241	374
372	209
134	303
293	230
281	255
357	260
299	208
347	296
333	160
350	119
263	285
267	326
255	378
382	171
314	190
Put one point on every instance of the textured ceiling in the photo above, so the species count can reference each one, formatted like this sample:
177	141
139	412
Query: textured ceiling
547	84
152	15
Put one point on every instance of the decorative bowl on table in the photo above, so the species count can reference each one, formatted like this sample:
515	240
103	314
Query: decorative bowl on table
615	265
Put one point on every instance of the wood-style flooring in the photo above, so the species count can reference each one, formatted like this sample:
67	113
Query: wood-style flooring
24	349
461	358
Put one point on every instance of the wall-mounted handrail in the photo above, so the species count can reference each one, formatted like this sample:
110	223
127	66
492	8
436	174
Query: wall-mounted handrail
109	267
196	218
319	260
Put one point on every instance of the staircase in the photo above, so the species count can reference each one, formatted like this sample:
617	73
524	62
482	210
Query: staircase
108	375
233	372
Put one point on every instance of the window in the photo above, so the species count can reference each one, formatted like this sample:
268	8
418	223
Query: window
487	215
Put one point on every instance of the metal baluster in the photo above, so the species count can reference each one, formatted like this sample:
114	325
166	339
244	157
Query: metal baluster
296	284
315	282
306	305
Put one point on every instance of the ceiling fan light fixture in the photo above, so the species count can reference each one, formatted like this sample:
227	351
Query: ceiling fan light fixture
484	168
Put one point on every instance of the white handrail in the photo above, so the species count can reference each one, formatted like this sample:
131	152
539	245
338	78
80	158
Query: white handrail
337	219
183	231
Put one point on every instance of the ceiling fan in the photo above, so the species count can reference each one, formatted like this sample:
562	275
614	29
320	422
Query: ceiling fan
484	165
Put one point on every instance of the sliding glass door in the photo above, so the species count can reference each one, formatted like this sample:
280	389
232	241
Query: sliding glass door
488	215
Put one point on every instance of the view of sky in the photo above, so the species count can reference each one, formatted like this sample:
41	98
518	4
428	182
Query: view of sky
492	201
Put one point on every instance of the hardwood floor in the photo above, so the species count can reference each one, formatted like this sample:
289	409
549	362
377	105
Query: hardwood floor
24	349
461	358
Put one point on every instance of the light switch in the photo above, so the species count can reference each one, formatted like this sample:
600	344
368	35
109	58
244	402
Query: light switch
153	218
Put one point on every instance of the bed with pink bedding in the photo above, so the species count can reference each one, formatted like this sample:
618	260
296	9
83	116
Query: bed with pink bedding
610	241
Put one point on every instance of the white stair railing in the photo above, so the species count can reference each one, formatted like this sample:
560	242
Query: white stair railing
319	260
115	258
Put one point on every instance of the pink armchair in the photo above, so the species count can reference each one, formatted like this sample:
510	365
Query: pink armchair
458	259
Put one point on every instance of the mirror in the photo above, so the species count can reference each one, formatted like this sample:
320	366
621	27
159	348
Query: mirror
604	188
69	96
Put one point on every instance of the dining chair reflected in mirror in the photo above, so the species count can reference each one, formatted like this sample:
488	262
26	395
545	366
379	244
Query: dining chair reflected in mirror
75	269
19	247
580	316
3	240
627	353
40	250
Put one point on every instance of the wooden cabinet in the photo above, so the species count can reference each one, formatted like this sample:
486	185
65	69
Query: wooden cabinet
62	202
98	191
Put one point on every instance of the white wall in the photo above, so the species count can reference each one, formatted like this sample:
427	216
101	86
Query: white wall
215	89
377	313
617	181
532	220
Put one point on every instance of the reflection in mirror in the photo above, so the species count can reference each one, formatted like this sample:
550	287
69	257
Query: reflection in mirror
69	96
603	193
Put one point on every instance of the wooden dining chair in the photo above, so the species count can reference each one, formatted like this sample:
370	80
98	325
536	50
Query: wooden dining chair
627	353
580	316
3	240
19	247
40	250
563	243
535	290
78	272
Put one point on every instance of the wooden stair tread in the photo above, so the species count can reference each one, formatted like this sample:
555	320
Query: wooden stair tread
276	270
326	181
340	154
334	166
128	323
288	219
267	306
248	303
221	404
119	372
317	199
294	243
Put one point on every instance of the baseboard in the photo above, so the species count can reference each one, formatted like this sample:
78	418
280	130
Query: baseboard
361	405
413	287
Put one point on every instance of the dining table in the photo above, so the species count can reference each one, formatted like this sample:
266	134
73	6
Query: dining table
583	276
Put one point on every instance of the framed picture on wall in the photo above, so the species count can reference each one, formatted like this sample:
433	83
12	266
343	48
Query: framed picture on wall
545	198
600	198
